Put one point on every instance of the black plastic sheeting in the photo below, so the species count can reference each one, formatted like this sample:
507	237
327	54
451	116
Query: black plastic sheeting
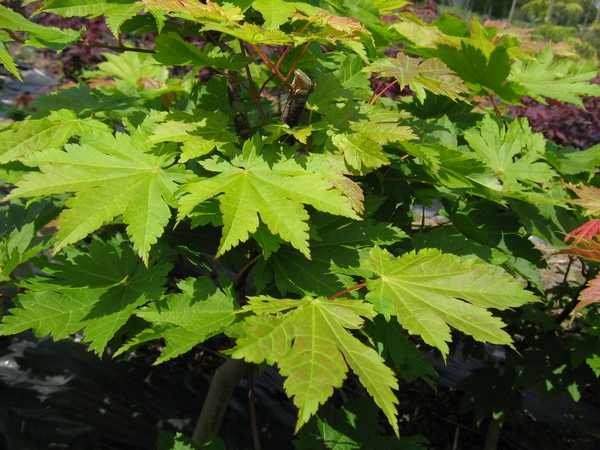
58	395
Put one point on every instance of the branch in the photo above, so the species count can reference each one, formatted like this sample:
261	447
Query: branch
226	378
300	89
270	64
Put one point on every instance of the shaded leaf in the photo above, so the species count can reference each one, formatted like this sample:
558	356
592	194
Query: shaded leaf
98	291
188	318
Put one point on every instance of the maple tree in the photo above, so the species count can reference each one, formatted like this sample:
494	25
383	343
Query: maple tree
303	238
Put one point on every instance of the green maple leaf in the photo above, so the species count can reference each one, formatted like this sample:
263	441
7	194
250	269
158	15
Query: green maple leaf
313	348
566	81
186	319
19	246
81	8
200	133
489	71
30	136
360	151
429	291
98	291
514	153
171	49
252	184
116	11
38	35
110	176
203	12
275	12
431	74
8	62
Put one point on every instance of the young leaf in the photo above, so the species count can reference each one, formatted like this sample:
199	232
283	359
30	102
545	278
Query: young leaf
321	353
98	291
585	248
589	198
428	291
431	74
252	184
110	176
591	294
587	231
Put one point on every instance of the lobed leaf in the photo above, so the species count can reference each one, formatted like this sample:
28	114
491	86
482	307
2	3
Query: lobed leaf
252	185
188	318
98	291
429	291
431	74
313	348
565	81
110	176
589	198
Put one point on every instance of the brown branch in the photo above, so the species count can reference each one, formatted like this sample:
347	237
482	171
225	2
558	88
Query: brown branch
270	64
226	378
240	121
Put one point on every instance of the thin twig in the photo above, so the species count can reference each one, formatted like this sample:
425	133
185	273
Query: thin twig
255	96
564	282
270	64
252	408
244	269
291	71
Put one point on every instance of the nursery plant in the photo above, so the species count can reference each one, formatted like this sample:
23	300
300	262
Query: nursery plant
259	170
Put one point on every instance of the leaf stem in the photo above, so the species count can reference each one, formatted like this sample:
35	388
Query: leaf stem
117	48
496	109
374	99
245	269
353	288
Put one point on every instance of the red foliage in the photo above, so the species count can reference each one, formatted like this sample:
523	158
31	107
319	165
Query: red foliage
565	124
586	231
589	295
